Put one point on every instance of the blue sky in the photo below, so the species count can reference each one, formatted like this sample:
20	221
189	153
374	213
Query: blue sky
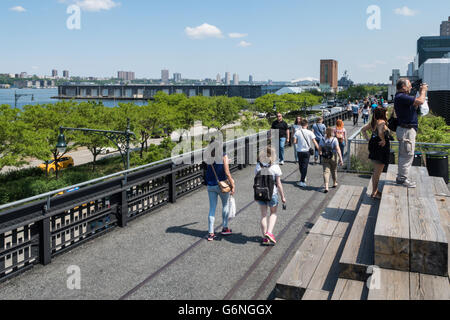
282	40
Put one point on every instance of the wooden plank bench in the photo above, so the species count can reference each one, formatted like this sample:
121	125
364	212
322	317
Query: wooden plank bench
442	196
314	269
350	290
429	244
400	285
358	252
391	235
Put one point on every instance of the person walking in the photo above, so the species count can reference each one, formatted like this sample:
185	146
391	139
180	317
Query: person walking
267	165
215	173
304	139
405	107
283	134
297	125
355	112
319	131
331	157
379	147
341	134
365	112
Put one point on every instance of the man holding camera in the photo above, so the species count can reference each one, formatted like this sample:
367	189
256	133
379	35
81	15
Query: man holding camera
406	110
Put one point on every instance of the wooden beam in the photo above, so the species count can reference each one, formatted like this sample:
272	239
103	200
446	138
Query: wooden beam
428	287
311	294
391	234
393	285
349	290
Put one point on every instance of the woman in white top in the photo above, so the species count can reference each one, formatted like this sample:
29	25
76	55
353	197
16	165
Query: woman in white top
305	140
267	158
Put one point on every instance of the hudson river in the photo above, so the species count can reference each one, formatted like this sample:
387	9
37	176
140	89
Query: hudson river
42	96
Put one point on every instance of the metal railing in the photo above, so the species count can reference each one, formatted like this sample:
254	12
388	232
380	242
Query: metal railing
36	229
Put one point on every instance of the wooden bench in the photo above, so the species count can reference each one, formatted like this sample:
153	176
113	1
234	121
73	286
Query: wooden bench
442	196
408	233
350	290
358	252
313	271
400	285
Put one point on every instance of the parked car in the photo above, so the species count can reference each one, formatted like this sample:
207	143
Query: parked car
62	163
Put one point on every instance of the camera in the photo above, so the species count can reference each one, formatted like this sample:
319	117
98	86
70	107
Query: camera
416	87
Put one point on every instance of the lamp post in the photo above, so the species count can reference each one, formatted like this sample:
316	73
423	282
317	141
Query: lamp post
120	138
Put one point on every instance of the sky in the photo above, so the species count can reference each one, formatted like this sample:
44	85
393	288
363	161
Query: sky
278	40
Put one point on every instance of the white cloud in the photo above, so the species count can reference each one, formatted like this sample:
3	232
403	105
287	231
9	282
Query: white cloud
93	5
405	11
235	35
244	44
372	66
18	9
203	31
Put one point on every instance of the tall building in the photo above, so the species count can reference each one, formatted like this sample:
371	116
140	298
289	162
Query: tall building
165	76
66	74
445	28
227	78
177	77
125	75
432	47
410	72
54	73
235	79
250	78
218	78
329	73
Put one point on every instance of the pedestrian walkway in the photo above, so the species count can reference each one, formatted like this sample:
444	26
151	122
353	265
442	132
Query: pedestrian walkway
164	255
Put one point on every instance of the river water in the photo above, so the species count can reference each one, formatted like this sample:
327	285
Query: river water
42	96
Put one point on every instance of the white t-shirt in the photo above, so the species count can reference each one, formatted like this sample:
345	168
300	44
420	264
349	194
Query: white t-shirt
304	140
274	170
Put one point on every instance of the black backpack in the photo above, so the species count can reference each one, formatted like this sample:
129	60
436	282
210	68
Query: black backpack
327	150
263	185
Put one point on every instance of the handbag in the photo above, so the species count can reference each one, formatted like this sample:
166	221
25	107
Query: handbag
224	186
392	123
311	150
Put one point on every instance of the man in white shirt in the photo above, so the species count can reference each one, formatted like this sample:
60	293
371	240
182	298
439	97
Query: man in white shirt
304	139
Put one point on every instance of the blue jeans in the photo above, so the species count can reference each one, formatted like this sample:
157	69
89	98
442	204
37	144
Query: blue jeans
316	152
365	118
342	147
213	192
281	152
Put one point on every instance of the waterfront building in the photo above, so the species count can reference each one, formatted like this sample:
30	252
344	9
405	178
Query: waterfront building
227	78
436	73
250	79
432	48
165	76
177	77
235	79
66	74
218	78
126	75
23	75
54	73
329	73
445	28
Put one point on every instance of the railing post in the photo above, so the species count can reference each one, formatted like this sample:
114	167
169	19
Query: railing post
349	155
247	151
172	185
123	212
45	250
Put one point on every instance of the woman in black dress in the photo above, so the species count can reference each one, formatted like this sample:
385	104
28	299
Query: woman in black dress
379	146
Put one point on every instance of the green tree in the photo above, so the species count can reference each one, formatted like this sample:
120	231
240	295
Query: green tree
44	122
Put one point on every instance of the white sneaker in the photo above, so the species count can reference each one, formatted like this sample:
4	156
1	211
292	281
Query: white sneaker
282	162
301	184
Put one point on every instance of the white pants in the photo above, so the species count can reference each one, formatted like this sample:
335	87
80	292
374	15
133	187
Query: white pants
407	143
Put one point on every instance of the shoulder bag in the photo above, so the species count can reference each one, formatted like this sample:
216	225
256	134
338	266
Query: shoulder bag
224	186
311	150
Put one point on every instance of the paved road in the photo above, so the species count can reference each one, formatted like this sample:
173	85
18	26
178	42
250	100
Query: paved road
164	255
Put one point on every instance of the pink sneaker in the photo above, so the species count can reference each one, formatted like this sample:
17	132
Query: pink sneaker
271	237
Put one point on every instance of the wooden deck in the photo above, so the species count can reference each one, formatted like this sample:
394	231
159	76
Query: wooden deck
360	248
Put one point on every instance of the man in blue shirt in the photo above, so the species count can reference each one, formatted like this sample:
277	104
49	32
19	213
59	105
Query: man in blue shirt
405	107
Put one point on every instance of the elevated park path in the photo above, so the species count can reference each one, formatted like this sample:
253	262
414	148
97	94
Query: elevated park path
163	253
